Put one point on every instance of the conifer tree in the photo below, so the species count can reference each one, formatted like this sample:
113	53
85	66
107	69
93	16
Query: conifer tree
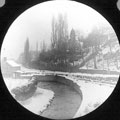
26	53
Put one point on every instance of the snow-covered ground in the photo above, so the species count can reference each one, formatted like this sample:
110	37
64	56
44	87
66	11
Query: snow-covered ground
94	94
38	102
29	70
12	83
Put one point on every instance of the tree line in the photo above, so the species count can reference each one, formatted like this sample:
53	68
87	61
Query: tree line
70	47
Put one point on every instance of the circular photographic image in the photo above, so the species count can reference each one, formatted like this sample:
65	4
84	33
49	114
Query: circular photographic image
60	59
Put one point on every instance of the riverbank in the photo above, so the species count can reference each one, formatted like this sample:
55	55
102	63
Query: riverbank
39	100
94	94
89	84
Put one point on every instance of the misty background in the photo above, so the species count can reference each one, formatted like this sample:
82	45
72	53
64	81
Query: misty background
35	24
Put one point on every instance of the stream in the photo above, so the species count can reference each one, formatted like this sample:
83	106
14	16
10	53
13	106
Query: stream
65	103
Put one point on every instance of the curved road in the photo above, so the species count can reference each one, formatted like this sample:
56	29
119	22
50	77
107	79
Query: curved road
66	101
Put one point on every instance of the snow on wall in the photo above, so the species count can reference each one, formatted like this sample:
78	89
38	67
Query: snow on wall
95	75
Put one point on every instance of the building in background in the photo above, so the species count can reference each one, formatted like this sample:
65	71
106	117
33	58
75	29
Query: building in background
9	67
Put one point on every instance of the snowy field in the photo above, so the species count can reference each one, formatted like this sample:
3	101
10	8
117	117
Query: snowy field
94	94
38	102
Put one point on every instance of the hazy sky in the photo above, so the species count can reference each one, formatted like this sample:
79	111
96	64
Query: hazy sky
35	23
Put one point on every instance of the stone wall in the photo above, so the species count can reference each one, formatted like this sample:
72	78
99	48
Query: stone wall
60	79
44	78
